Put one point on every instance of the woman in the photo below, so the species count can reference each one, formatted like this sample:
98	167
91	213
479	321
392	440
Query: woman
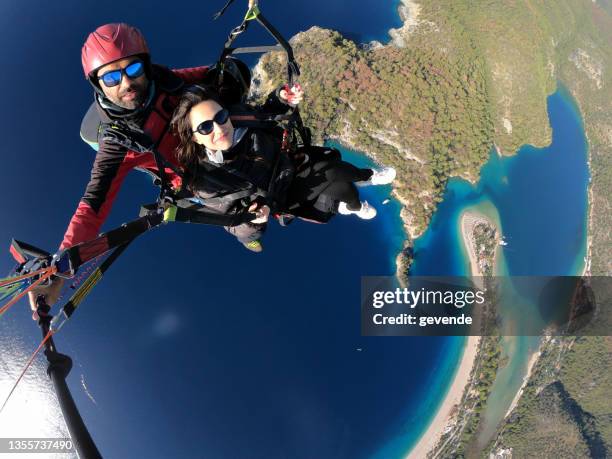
233	170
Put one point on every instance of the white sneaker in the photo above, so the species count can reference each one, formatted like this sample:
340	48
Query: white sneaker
382	176
367	212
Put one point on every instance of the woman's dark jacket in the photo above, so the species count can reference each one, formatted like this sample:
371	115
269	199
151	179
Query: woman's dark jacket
254	169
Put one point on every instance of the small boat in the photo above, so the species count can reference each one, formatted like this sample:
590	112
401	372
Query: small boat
386	201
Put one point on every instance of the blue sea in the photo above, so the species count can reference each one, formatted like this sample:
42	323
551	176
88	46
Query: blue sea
194	347
538	199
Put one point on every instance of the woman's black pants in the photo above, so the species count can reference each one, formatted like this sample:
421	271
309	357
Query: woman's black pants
329	176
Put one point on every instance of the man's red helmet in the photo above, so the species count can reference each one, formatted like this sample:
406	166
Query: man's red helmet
109	43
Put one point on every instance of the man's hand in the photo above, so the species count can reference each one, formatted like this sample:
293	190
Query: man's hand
293	95
262	213
50	292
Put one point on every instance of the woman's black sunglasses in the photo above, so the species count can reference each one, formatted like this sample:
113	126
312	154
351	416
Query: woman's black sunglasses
220	118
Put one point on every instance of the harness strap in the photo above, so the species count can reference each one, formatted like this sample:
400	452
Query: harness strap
254	189
293	70
255	49
186	212
142	143
68	309
292	67
209	218
164	189
69	260
227	197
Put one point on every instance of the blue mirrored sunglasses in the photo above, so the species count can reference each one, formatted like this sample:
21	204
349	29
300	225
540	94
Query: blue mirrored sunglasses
220	118
113	77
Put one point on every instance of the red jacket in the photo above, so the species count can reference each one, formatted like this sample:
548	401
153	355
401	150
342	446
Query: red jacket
113	161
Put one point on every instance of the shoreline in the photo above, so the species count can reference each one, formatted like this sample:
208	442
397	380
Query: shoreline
588	256
468	221
408	11
530	364
446	414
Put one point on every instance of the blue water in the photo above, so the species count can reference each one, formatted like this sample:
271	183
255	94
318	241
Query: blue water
192	344
538	198
193	347
253	356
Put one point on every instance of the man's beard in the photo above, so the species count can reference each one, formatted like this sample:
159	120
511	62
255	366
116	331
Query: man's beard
140	91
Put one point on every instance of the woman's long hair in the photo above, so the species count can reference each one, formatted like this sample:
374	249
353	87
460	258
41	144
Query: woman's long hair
188	150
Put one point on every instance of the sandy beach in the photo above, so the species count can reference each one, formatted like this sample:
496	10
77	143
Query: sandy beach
445	415
532	361
468	221
409	12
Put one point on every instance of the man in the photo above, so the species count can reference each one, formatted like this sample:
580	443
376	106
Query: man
134	100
